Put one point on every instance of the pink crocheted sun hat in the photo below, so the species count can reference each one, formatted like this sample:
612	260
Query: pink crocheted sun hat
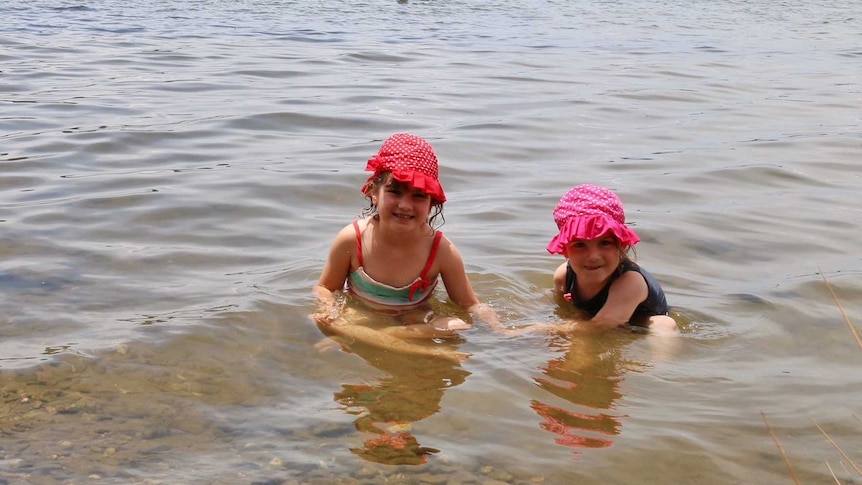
589	212
411	159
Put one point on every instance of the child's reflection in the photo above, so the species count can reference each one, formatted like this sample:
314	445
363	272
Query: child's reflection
386	409
586	375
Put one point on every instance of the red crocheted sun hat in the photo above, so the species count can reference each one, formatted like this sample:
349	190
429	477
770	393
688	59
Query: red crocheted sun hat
589	212
411	159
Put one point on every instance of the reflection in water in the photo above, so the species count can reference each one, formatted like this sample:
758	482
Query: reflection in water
587	375
410	392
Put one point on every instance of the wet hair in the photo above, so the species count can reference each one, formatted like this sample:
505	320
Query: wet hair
627	254
385	178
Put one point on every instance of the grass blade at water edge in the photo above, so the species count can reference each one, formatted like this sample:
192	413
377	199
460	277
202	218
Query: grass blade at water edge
835	445
780	449
843	313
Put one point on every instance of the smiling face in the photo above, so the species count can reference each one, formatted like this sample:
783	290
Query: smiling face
594	260
401	204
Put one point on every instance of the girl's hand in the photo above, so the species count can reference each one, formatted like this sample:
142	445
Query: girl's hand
328	344
548	328
439	327
448	324
487	314
325	315
514	332
328	309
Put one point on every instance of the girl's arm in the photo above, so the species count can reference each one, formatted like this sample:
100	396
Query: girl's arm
458	285
334	274
565	327
383	340
560	279
626	293
440	327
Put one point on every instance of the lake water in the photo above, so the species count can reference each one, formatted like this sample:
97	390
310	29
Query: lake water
173	174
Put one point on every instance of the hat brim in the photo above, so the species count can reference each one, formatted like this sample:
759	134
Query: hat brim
417	180
591	227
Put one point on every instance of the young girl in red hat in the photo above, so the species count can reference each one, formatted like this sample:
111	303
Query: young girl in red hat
392	259
598	277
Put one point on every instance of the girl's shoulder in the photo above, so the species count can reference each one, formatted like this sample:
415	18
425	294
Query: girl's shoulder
560	277
632	284
347	235
560	272
445	247
629	265
446	255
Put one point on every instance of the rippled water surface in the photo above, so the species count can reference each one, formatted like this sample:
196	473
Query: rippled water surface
172	174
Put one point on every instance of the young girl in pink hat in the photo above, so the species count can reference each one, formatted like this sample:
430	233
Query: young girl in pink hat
392	259
598	277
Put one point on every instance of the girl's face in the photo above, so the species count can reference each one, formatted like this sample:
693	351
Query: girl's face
594	260
401	204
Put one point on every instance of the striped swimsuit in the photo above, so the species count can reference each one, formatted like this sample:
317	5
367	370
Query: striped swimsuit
389	299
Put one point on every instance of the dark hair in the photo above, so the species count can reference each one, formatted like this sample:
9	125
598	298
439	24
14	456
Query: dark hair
627	253
385	178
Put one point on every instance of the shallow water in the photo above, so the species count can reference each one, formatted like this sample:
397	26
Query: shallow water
173	174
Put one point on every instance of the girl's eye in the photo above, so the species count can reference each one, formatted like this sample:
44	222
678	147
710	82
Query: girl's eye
420	195
578	245
608	242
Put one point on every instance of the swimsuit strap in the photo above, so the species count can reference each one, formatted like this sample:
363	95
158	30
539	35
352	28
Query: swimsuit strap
438	235
433	254
358	242
422	283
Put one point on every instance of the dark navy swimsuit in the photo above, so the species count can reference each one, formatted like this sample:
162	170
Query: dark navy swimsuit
655	304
